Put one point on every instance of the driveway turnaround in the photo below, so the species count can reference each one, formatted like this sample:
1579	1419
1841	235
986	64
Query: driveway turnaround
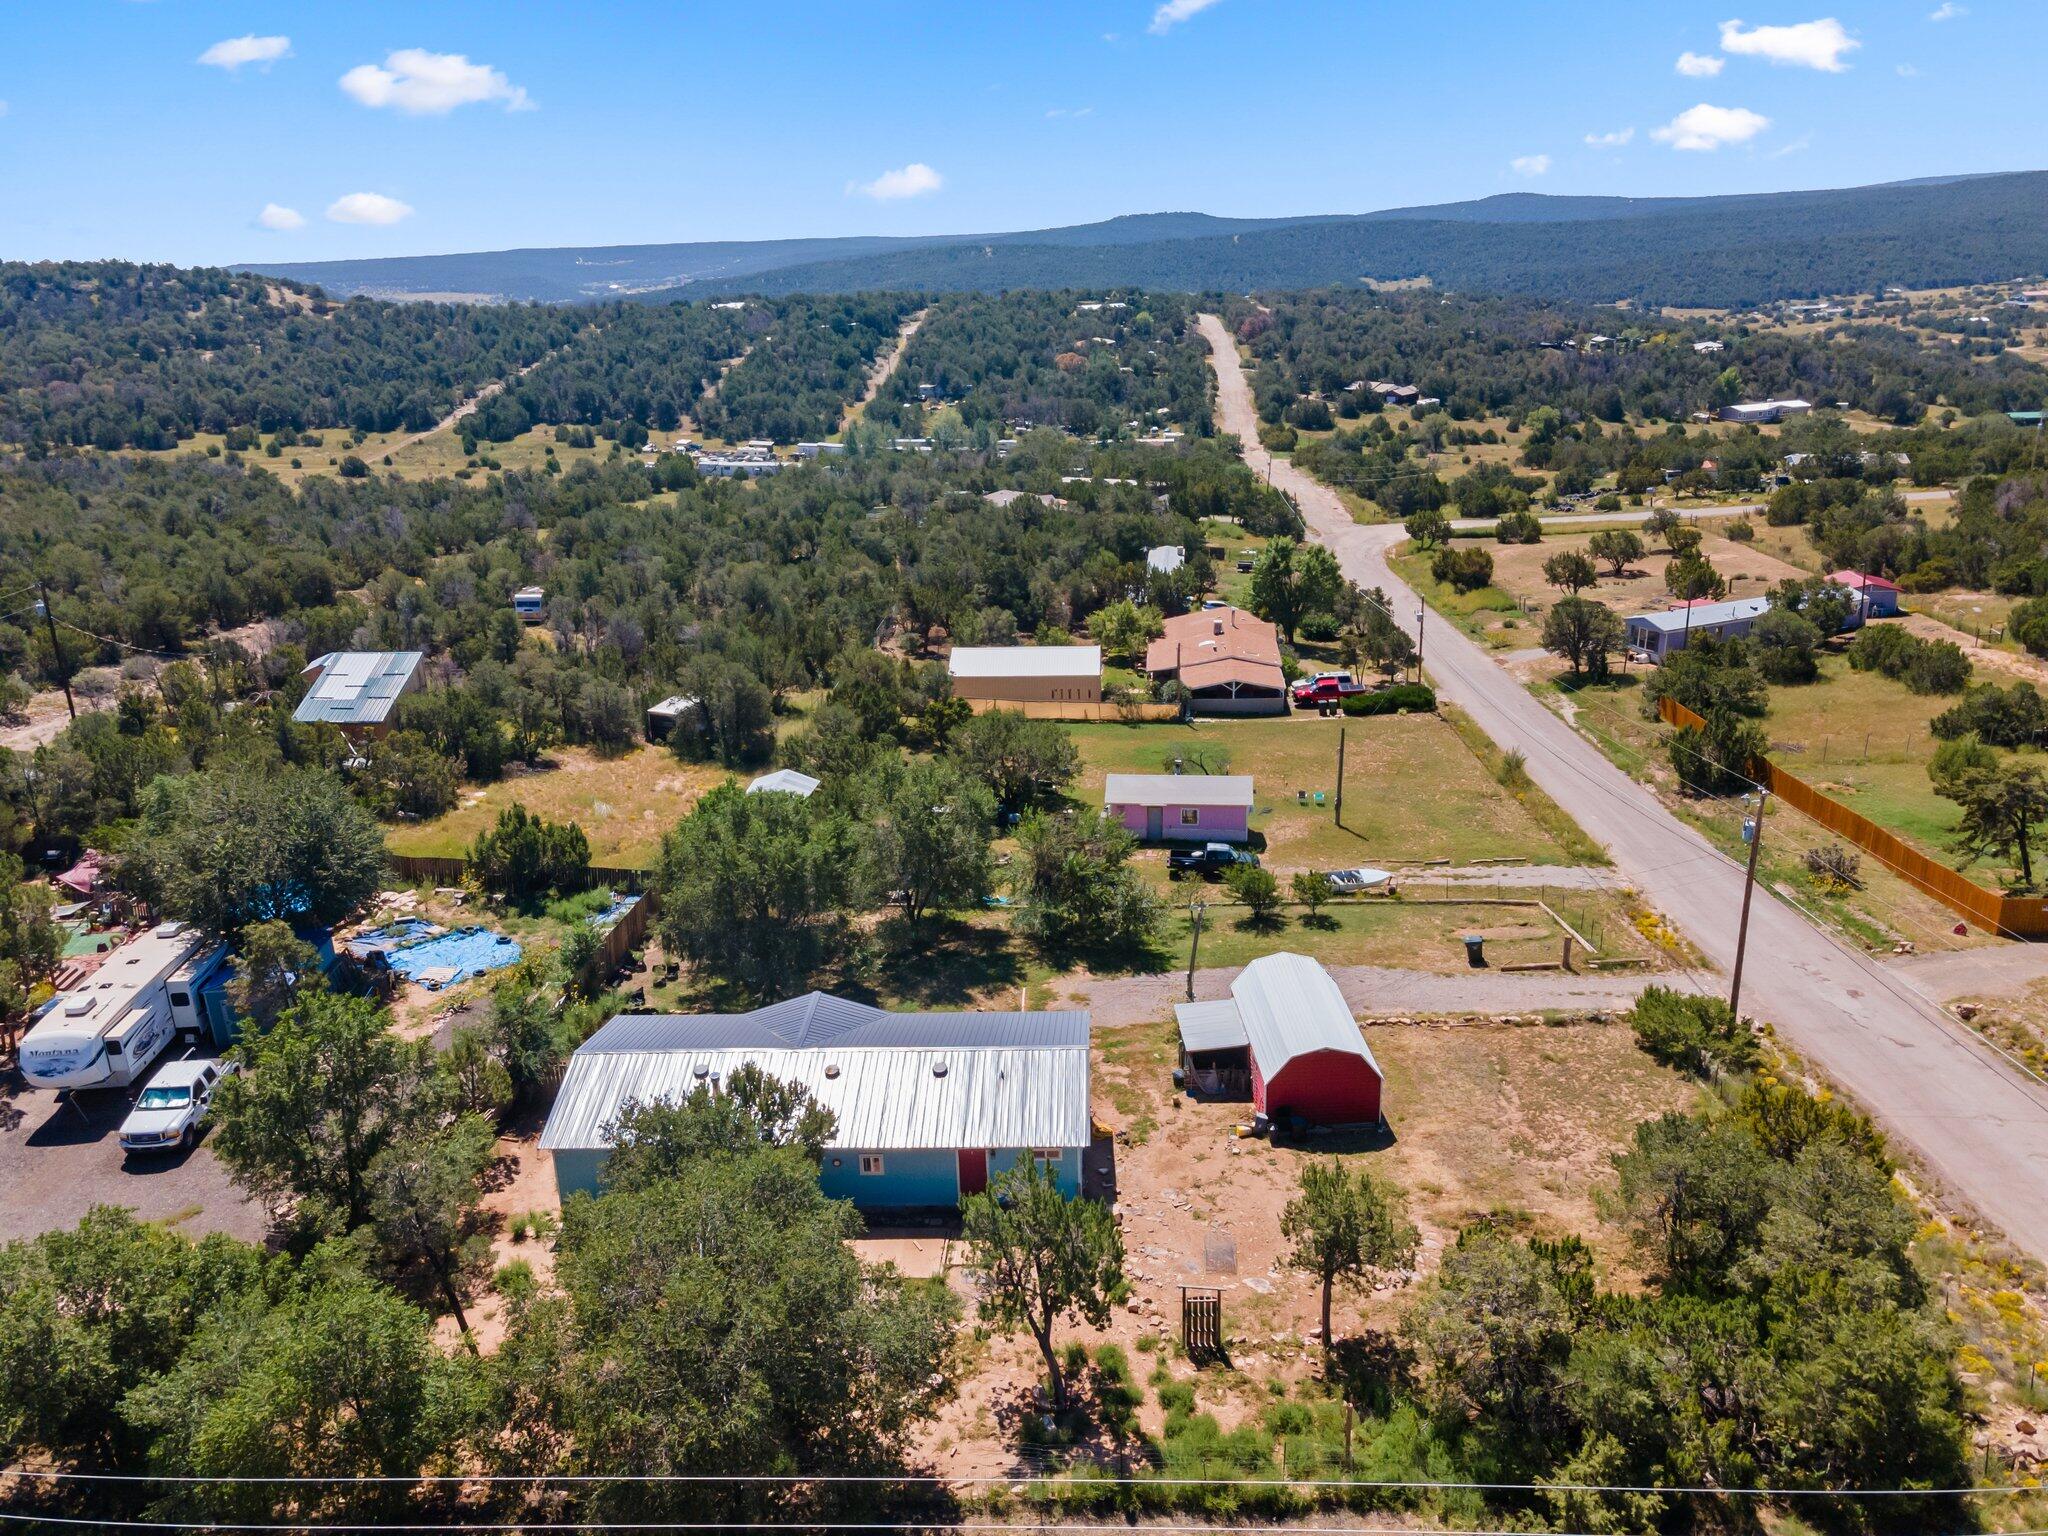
1974	1122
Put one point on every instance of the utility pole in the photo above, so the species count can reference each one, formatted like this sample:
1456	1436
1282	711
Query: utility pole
1195	910
56	649
1754	831
1421	624
1340	775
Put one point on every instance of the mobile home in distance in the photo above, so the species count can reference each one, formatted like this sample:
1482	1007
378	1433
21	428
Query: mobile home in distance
528	602
105	1032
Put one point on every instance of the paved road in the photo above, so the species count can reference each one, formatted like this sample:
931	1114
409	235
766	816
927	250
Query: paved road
1975	1124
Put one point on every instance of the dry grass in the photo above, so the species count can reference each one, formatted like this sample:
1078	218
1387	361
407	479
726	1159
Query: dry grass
624	804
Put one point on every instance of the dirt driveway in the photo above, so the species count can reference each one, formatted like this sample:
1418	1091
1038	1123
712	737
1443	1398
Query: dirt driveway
60	1158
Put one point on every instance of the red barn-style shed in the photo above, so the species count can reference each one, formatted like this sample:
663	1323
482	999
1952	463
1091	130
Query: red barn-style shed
1288	1025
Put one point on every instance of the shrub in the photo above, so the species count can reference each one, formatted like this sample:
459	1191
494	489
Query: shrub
1401	699
1256	888
525	857
1519	528
1835	866
1319	627
2004	717
2028	624
1692	1033
1463	570
1743	531
1924	666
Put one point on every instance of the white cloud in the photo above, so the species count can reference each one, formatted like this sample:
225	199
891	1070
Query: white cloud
1070	112
1909	71
1699	65
1530	165
277	216
1172	13
423	84
913	180
233	52
368	208
1807	44
1948	10
1798	146
1613	140
1708	128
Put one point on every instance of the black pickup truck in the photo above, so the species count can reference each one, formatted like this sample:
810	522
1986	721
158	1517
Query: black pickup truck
1209	859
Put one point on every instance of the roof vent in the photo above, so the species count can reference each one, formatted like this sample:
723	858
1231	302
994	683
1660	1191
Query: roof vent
832	1070
1219	627
938	1069
700	1072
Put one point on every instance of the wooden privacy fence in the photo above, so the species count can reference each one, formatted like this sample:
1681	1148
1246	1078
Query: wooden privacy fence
1048	709
431	869
2024	917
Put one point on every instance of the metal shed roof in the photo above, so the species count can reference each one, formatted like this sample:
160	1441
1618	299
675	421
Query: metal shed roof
785	781
1226	789
356	687
1215	1026
1025	661
1704	615
1290	1007
1009	1079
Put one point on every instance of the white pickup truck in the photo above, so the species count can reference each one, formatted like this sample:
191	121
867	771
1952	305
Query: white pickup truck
168	1113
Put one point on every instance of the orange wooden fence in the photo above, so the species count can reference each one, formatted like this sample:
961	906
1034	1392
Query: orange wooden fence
2024	917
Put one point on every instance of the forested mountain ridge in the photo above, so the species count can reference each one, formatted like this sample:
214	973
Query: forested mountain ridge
1729	250
1719	252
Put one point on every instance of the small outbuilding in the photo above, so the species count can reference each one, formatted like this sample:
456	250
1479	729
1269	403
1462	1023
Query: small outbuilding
662	718
1286	1034
1027	674
929	1106
1166	559
1181	807
785	781
530	603
1880	597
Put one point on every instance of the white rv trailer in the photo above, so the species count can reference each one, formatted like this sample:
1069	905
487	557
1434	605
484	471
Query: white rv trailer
105	1032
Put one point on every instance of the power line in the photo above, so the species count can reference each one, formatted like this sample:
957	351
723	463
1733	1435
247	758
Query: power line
989	1479
1121	1528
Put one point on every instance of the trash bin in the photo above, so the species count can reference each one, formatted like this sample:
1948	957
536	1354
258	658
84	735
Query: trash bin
1475	950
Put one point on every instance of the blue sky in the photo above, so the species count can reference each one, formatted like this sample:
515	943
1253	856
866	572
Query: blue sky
385	129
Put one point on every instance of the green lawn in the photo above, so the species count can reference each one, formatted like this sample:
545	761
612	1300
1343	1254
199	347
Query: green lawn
1413	790
1486	613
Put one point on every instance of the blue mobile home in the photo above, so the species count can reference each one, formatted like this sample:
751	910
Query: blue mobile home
930	1106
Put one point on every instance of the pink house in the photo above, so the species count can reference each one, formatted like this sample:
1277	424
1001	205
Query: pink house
1181	807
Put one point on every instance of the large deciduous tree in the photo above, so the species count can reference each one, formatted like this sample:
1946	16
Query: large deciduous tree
1291	581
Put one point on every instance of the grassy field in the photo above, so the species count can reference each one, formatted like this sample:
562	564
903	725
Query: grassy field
624	804
1420	934
1809	737
436	456
1414	790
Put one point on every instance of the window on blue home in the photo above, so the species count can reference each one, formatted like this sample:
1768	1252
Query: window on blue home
871	1162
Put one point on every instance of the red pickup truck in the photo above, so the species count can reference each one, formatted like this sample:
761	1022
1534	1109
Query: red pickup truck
1326	688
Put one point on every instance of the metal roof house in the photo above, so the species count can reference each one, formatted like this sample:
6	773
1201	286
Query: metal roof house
1227	660
930	1105
1660	634
1181	807
1880	597
1764	412
1288	1028
357	690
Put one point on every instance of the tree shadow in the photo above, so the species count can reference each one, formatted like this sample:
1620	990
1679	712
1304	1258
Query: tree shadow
1371	1370
938	962
1321	922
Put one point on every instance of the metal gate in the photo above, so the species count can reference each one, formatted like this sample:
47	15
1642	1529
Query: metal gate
1201	1322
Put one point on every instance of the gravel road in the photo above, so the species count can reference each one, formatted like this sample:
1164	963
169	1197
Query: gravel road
1975	1124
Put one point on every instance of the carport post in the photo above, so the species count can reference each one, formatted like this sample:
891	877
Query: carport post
1195	911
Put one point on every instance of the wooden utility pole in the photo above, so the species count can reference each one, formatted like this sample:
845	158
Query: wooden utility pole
1421	624
1756	842
1340	775
57	649
1195	910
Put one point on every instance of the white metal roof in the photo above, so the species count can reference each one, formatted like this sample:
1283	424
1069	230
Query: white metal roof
1213	1026
1290	1007
1026	661
1225	789
1704	616
785	781
1166	559
1008	1080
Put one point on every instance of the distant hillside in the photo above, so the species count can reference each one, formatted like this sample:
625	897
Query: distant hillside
1701	250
